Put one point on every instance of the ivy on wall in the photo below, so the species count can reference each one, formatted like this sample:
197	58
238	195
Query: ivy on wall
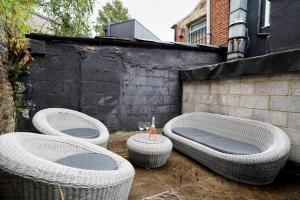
14	20
14	24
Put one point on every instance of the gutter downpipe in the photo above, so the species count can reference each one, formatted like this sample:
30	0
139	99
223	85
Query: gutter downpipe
208	21
258	17
108	29
237	29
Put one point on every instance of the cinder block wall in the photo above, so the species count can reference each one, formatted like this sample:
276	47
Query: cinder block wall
118	85
270	98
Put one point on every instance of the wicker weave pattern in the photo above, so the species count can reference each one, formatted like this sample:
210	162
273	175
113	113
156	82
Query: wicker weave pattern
149	155
52	120
27	173
257	169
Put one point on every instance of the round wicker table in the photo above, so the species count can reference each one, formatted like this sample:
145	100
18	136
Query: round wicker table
149	152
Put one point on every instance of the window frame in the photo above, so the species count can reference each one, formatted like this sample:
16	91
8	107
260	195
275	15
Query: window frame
204	26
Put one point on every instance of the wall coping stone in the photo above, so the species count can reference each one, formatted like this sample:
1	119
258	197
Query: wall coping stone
273	63
131	42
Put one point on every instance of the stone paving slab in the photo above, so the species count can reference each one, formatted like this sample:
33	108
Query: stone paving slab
184	179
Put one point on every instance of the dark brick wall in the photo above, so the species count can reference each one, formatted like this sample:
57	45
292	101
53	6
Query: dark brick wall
117	85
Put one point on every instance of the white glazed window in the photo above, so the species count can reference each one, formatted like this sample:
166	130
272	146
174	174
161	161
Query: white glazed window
197	32
267	13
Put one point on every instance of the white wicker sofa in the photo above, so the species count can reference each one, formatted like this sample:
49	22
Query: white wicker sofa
71	123
31	168
254	152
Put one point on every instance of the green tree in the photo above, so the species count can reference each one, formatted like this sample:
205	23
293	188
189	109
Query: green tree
14	21
69	17
111	13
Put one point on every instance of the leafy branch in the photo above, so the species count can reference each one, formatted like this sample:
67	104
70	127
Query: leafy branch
69	17
14	17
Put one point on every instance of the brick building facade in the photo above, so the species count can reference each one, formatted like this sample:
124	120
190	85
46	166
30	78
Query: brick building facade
182	27
219	20
206	24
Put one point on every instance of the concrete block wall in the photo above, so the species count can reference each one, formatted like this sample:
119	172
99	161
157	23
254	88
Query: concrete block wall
151	86
118	85
100	82
271	98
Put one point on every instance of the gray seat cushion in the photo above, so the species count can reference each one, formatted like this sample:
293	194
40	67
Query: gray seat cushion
89	161
190	133
86	133
222	144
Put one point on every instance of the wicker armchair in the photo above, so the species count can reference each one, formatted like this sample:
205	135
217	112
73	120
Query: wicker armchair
259	168
70	123
29	170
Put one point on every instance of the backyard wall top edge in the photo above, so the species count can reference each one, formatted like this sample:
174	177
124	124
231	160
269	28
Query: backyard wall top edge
281	62
129	42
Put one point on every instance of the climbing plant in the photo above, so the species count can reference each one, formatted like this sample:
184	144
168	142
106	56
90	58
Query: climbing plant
14	24
14	21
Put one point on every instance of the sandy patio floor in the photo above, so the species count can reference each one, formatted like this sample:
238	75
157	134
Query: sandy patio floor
183	178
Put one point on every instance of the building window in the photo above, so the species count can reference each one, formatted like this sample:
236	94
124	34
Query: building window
267	13
197	32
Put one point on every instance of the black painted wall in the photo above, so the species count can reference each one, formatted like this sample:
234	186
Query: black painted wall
285	25
284	30
119	85
258	35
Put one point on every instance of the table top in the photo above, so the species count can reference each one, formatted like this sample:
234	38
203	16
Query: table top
145	138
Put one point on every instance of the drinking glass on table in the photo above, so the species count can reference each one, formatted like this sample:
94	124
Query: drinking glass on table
147	125
141	126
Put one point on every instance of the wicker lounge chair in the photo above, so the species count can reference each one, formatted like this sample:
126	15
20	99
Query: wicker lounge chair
65	122
243	150
37	167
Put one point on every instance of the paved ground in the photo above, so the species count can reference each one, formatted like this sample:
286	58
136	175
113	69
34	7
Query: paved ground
183	178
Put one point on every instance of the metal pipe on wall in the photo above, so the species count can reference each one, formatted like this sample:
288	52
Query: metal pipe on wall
108	29
208	21
237	29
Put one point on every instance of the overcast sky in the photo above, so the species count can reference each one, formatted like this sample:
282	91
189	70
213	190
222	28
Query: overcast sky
157	15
